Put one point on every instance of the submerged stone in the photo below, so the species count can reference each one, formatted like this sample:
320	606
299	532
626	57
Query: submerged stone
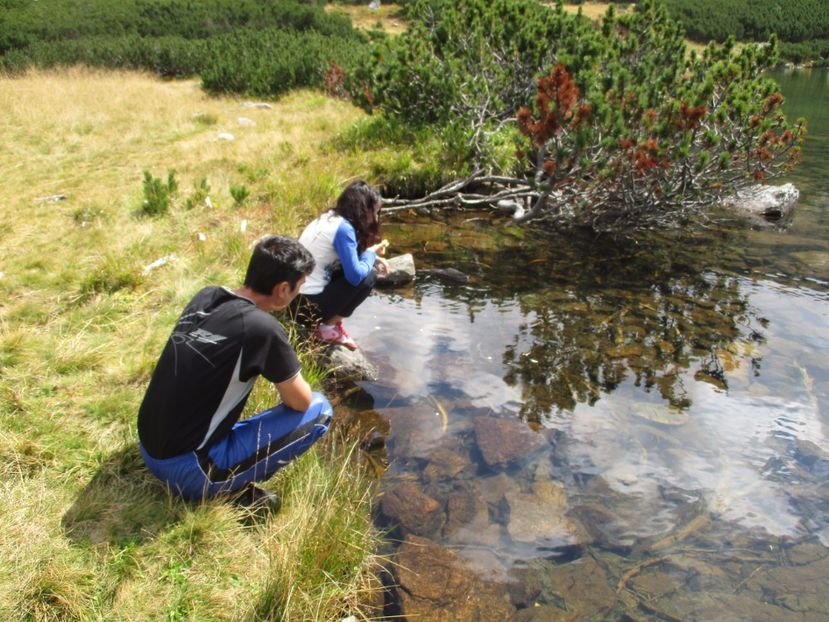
435	585
544	613
659	413
538	517
502	441
415	512
796	588
580	587
444	463
450	275
467	520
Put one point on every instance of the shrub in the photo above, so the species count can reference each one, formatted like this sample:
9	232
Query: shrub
240	194
200	194
157	194
795	21
621	127
176	38
271	62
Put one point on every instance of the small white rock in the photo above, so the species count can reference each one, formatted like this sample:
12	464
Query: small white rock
243	226
208	203
260	105
201	237
161	261
225	136
52	198
245	122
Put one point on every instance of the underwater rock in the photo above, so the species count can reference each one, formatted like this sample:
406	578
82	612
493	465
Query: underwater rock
416	512
449	275
492	489
436	586
658	413
544	613
814	259
349	365
467	519
502	441
655	584
538	517
401	271
796	588
444	464
581	586
687	605
765	203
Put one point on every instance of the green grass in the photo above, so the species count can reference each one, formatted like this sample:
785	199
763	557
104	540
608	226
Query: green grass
88	533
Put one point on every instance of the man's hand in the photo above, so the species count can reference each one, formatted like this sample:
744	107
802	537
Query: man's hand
295	393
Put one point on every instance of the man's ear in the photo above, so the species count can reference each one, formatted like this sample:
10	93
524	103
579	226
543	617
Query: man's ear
282	294
281	289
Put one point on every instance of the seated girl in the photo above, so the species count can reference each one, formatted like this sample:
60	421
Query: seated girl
345	243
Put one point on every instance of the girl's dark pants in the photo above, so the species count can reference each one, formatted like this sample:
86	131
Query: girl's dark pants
341	298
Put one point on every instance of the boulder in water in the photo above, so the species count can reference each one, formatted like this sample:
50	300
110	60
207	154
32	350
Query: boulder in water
765	203
502	441
349	365
449	275
435	584
413	510
401	271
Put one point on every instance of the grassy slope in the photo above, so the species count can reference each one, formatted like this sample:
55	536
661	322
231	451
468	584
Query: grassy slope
87	533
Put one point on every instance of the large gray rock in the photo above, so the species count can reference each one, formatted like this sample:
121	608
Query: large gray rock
348	365
765	203
401	271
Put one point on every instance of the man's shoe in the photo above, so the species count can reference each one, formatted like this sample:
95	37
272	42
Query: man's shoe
256	498
335	335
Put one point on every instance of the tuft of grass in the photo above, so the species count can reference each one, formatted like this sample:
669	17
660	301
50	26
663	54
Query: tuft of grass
328	542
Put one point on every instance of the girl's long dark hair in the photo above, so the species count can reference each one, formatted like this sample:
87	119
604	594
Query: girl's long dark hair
360	204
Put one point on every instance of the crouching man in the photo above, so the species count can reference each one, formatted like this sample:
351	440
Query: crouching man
188	424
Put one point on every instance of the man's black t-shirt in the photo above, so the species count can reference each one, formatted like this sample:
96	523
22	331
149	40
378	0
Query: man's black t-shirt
220	344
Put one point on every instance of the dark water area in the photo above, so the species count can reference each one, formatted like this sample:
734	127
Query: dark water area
593	429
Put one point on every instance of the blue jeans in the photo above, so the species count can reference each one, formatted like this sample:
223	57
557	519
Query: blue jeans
253	451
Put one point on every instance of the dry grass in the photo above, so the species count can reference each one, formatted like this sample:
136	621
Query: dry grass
387	18
87	532
591	10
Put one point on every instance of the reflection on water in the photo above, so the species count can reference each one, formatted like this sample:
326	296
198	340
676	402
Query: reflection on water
607	430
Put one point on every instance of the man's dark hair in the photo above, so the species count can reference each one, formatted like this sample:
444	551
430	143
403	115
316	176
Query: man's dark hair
275	259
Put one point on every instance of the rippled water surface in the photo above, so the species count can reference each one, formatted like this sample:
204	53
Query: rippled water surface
628	430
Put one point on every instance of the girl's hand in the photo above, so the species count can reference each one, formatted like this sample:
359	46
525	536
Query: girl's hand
382	266
379	248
